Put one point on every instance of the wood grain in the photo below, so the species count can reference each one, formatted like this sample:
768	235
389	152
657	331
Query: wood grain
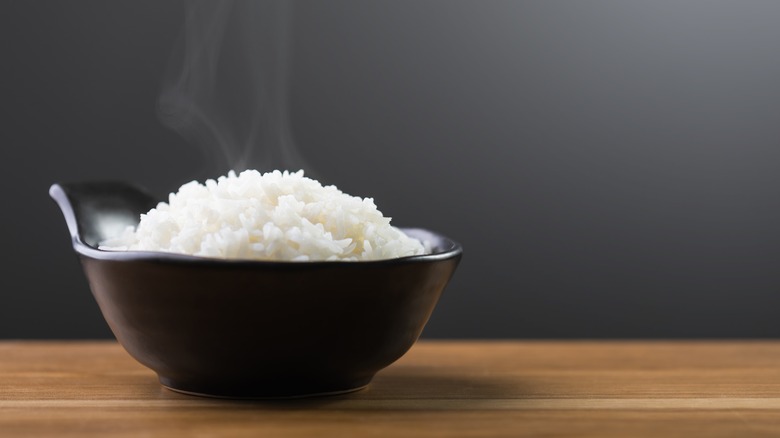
529	388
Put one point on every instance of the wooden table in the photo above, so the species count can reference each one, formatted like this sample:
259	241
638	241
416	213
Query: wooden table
527	388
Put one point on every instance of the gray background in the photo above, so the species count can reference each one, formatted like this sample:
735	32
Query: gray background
611	167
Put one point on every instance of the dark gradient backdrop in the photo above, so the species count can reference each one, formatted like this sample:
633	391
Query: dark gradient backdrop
611	167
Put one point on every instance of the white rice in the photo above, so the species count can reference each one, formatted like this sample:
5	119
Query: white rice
271	216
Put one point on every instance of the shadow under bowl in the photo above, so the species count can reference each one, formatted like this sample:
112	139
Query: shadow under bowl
251	329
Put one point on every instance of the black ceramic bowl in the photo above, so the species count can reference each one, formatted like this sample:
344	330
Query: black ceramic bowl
247	328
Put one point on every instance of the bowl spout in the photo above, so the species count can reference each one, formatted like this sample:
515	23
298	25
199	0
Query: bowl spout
97	211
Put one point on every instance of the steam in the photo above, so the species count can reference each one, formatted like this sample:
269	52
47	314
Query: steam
226	87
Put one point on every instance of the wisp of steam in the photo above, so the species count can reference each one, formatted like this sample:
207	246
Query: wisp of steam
226	87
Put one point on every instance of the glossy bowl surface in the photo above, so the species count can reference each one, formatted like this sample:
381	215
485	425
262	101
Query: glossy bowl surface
256	329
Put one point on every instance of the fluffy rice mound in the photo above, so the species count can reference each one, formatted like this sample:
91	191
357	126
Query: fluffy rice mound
271	216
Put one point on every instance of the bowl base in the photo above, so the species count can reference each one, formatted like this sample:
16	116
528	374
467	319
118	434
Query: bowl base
244	394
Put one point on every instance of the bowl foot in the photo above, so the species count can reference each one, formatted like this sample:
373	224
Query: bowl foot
261	393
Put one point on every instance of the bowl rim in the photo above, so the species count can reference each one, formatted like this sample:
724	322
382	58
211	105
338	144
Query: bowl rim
455	251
